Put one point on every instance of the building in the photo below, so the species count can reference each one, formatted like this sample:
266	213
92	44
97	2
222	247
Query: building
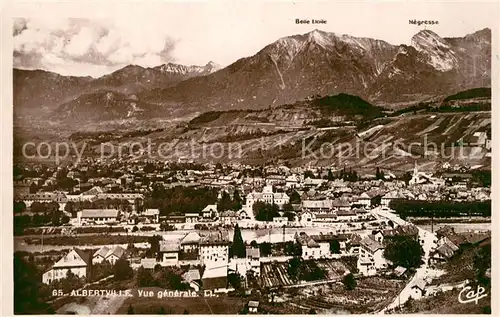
353	246
417	290
228	217
310	248
280	220
97	216
130	197
364	199
346	215
253	307
152	215
253	259
110	255
190	242
214	279
76	261
267	196
292	181
371	256
169	252
214	249
306	218
209	212
193	278
192	217
410	231
317	206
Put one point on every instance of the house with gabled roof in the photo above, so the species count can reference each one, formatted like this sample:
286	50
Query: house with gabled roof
108	254
97	216
100	255
210	211
372	251
76	261
215	280
418	289
152	215
169	252
310	248
190	242
193	278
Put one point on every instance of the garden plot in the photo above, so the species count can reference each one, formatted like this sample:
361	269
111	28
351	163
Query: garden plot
370	295
334	269
275	275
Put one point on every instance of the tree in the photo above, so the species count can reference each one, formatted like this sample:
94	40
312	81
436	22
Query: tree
224	202
308	174
330	176
19	207
154	243
55	219
265	212
295	197
237	248
122	270
404	251
29	297
237	200
234	280
292	248
311	311
379	174
482	262
407	177
349	282
130	310
293	267
186	311
265	248
334	246
144	278
254	244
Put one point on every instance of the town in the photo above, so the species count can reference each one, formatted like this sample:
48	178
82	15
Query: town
248	239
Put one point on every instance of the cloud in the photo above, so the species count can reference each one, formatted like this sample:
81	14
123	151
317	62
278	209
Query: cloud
87	47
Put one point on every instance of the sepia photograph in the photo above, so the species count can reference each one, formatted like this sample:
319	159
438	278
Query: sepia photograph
252	157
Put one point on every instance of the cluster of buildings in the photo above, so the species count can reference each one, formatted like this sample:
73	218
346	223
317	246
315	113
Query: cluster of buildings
80	262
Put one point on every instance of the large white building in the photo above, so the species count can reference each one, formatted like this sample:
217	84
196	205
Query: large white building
214	249
77	261
97	216
267	196
371	256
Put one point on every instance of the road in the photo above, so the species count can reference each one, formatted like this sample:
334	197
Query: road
429	242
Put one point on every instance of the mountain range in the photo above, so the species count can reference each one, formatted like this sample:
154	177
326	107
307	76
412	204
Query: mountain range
292	68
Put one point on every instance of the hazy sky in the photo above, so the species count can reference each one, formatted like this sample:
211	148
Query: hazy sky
87	39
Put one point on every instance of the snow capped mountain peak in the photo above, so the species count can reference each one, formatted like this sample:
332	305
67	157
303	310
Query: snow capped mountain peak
212	67
427	39
179	69
318	37
437	50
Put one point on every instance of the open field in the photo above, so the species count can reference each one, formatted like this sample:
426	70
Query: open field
175	305
370	295
447	303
